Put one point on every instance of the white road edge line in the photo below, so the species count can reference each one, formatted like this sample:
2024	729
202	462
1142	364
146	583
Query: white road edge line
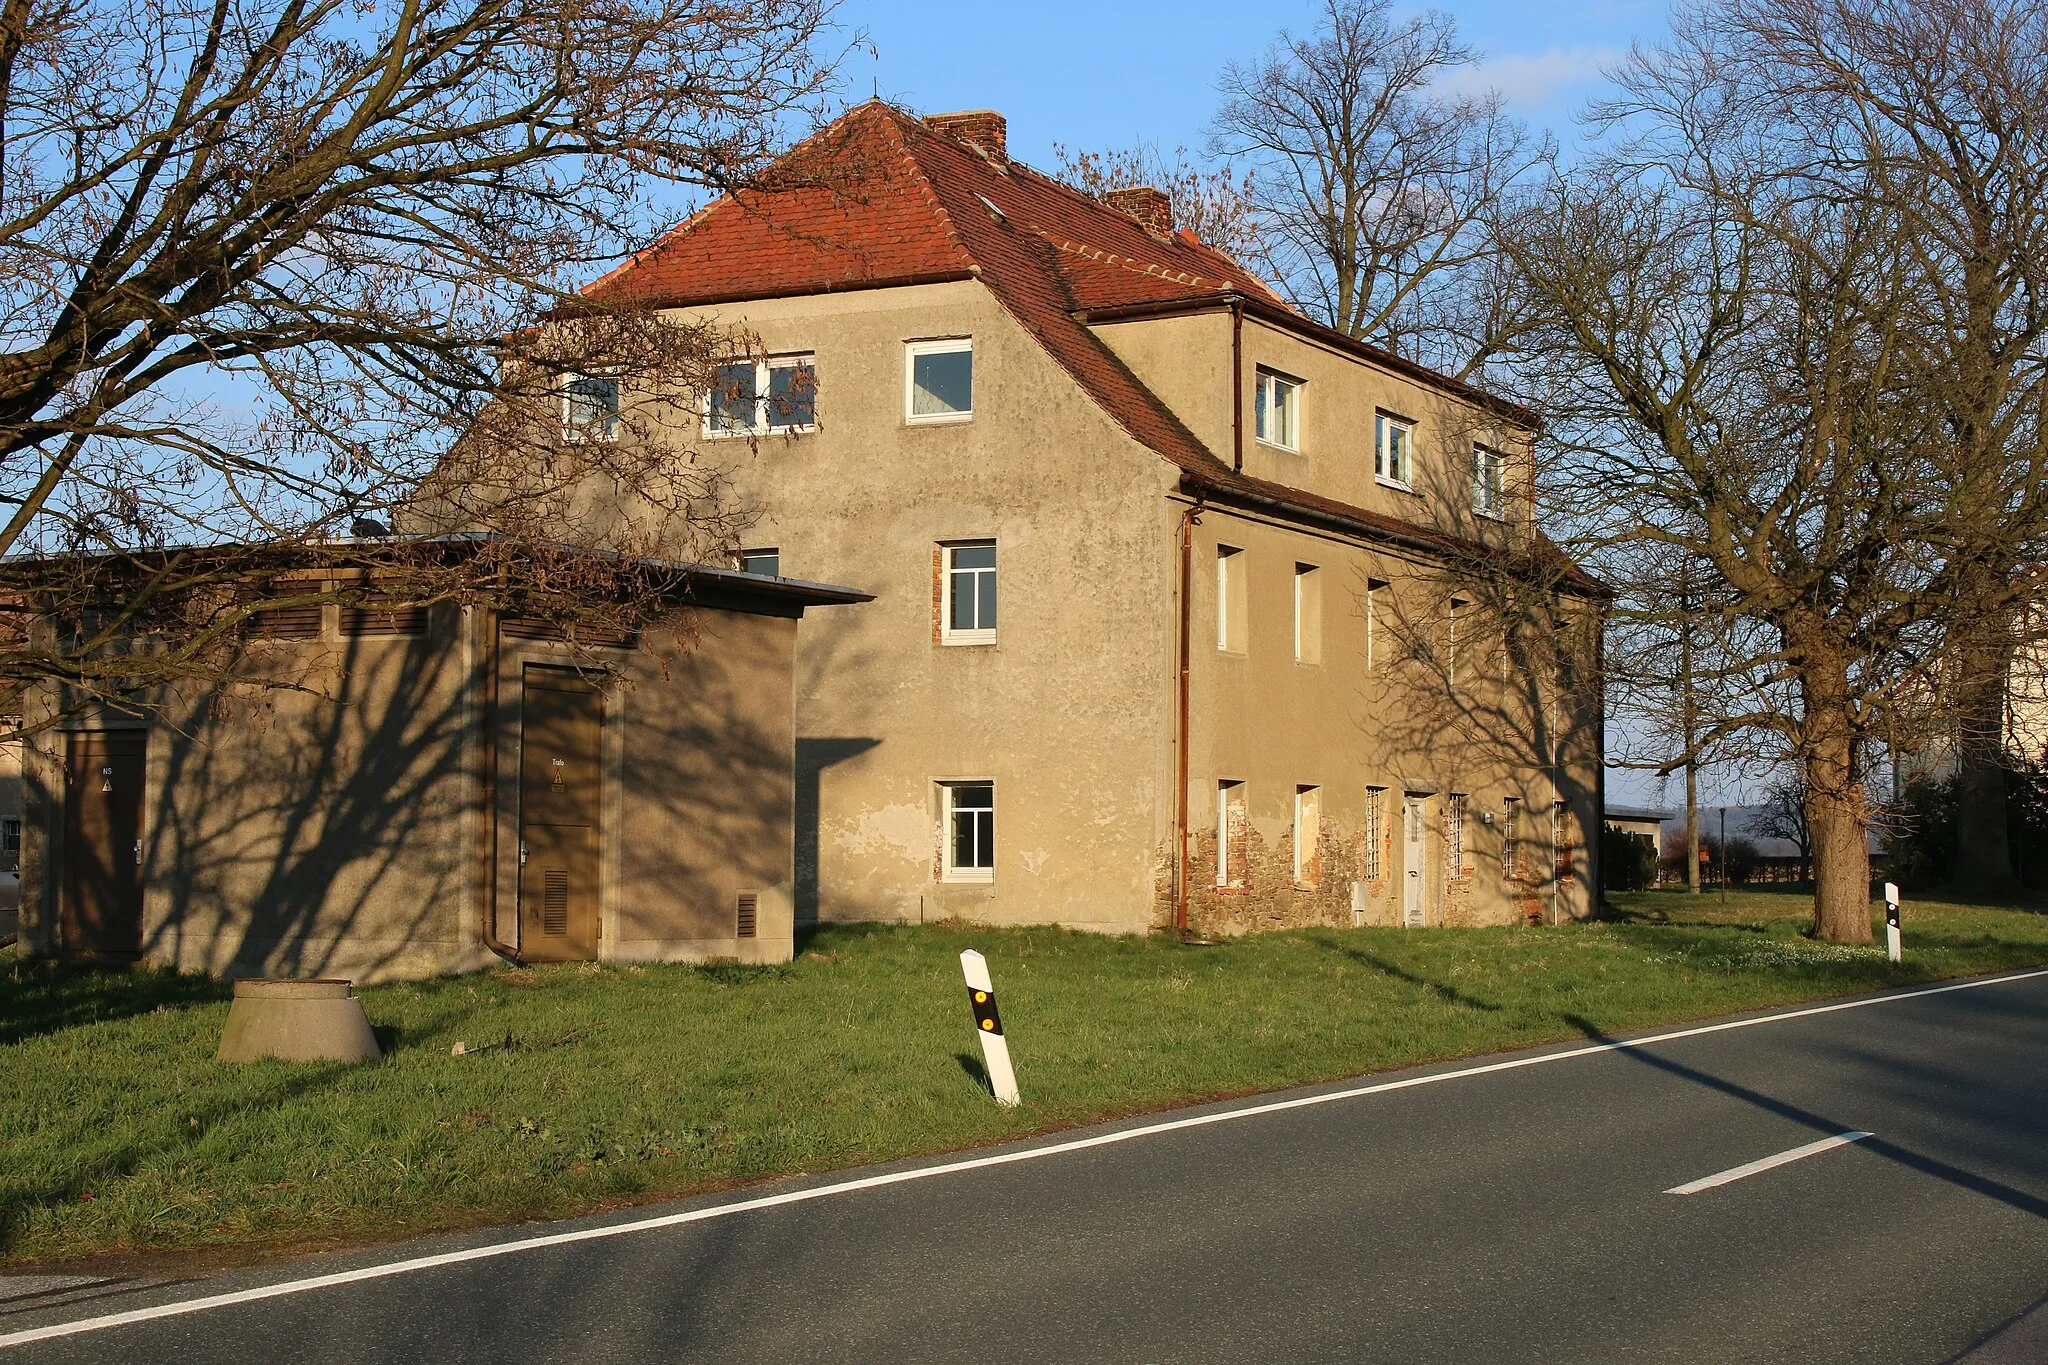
871	1182
1762	1164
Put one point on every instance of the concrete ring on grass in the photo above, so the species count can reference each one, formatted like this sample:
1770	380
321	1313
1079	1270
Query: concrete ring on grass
297	1021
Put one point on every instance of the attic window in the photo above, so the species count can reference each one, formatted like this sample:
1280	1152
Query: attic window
750	397
590	407
940	380
990	205
1276	410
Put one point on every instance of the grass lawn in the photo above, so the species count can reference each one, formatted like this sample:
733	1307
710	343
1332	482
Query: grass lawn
122	1138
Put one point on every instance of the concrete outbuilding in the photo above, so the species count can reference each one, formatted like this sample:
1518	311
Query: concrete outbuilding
445	786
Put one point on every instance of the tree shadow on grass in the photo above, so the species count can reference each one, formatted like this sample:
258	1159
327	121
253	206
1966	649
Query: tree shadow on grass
1450	995
43	997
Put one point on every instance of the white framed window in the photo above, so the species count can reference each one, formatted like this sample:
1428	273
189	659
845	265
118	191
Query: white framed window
938	380
1308	833
767	560
970	815
1232	833
755	397
1372	856
1393	448
1451	641
969	593
1374	587
1308	614
1511	808
590	407
1454	836
1276	410
1489	482
1231	623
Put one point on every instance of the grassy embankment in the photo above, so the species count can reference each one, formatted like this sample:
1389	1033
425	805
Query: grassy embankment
119	1133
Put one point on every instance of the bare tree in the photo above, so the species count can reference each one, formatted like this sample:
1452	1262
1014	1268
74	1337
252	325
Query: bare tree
1214	204
262	264
1748	321
1372	187
1783	816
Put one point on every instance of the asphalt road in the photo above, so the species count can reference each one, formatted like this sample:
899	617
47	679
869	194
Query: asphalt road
1513	1214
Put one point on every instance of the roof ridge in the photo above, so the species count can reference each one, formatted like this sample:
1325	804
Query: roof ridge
1131	263
924	180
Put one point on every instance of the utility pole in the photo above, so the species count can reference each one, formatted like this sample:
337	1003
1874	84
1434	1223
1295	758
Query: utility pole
1724	855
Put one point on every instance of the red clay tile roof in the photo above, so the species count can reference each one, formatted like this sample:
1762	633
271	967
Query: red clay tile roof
879	199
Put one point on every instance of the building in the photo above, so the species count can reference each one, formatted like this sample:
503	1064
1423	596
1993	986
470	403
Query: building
1187	609
445	786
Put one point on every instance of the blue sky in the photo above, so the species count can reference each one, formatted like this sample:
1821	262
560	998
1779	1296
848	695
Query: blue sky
1094	75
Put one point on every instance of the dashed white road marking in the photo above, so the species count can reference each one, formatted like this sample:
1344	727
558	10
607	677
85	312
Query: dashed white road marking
1768	1163
871	1182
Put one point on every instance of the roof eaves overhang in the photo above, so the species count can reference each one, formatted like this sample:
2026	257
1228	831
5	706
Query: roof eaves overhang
686	299
1227	486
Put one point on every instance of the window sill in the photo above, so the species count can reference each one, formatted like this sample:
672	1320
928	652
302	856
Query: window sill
742	433
1500	517
1395	484
968	637
938	419
968	877
579	438
1275	445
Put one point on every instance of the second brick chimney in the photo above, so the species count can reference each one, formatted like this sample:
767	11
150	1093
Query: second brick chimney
1151	207
983	128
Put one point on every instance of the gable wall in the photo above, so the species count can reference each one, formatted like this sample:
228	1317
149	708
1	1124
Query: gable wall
1068	712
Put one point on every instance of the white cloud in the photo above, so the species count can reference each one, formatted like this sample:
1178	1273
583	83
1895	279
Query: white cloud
1532	78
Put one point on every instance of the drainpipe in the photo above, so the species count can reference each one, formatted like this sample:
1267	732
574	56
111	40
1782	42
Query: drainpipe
1188	519
1237	384
488	929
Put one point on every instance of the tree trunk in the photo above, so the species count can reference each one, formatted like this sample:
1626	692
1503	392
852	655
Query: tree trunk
1837	816
1983	857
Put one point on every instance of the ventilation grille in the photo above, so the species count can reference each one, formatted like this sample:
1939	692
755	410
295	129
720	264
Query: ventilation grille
749	910
286	623
554	902
595	637
383	621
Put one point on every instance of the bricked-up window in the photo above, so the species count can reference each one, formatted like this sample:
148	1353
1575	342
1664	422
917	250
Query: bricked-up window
1276	410
1308	614
1372	865
1454	835
1489	482
969	609
970	831
767	560
1308	835
1232	625
1233	833
1393	457
590	407
1511	809
754	397
939	380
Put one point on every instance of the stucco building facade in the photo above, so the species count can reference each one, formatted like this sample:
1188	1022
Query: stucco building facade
1187	610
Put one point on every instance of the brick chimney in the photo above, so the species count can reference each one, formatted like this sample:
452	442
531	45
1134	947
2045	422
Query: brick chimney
1151	207
983	128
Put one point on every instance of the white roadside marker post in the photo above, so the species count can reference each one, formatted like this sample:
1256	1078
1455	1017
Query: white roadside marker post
1891	922
995	1049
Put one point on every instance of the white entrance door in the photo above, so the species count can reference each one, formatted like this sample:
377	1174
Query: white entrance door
1412	859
